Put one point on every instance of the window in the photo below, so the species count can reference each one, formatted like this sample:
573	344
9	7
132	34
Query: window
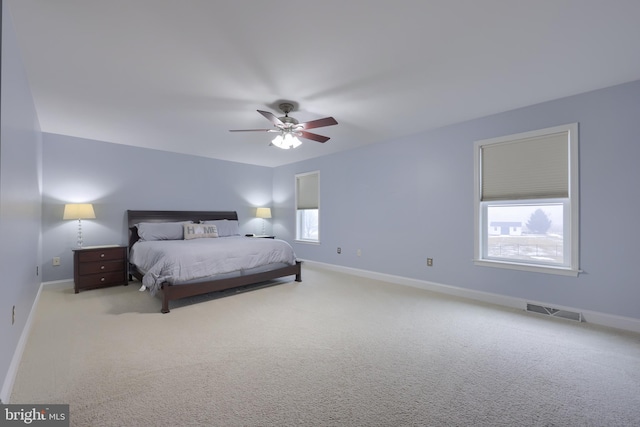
526	201
307	207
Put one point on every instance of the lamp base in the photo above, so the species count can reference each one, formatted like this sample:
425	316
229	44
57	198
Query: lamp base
79	233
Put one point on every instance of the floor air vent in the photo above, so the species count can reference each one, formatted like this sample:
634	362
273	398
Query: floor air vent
554	312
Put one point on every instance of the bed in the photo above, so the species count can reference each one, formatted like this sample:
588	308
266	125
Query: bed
152	228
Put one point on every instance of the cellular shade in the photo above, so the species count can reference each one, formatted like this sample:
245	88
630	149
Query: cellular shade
307	191
531	168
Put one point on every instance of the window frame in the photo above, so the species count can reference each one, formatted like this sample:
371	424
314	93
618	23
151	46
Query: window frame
298	237
570	208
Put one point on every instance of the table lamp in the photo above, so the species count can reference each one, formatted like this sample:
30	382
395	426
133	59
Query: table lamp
79	211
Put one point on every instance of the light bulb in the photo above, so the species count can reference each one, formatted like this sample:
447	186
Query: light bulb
278	141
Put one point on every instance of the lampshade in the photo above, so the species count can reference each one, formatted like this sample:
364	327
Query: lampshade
263	213
78	211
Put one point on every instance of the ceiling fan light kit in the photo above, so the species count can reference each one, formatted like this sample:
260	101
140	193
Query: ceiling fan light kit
286	141
289	129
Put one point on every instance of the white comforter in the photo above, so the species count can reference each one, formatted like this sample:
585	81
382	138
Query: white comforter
179	261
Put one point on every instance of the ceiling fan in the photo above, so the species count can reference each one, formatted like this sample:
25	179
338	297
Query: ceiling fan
289	129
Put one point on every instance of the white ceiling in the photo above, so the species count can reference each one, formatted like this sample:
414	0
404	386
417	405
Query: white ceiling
177	75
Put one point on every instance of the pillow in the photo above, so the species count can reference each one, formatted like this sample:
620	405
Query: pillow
226	227
161	230
199	231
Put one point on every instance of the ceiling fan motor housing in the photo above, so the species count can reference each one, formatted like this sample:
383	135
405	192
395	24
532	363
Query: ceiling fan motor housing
286	108
287	119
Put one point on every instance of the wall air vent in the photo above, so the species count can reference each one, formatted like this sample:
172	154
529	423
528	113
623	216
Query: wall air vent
554	312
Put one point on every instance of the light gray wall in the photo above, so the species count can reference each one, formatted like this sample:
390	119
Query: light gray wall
116	177
403	201
20	201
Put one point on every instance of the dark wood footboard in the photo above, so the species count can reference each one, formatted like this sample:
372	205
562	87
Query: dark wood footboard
173	292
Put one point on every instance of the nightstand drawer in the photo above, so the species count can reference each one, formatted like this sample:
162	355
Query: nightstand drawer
97	280
100	267
100	255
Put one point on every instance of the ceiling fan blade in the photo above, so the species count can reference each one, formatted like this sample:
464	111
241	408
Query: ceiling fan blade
254	130
271	117
327	121
313	136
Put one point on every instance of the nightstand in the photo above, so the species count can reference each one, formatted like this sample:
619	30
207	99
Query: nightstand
99	266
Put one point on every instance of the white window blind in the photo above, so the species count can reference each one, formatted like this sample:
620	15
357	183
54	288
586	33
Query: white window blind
530	168
307	188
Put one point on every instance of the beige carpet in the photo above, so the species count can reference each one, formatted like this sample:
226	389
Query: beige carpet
335	350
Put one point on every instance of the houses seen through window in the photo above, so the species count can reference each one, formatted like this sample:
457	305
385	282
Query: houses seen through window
526	232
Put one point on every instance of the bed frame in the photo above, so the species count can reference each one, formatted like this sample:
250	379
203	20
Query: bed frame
172	292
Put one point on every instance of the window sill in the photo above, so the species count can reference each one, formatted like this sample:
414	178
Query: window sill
308	242
561	271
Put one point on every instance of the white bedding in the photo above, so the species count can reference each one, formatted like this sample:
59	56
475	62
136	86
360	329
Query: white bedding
180	261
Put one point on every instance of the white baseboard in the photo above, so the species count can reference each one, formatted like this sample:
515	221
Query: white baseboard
59	284
594	317
7	386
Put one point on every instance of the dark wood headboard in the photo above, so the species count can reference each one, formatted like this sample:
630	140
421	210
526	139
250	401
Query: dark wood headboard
135	217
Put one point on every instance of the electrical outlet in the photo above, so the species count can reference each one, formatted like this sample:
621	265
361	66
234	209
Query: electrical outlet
359	252
56	260
339	250
429	262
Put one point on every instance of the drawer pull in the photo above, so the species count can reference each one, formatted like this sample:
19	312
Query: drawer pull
101	255
102	267
102	279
